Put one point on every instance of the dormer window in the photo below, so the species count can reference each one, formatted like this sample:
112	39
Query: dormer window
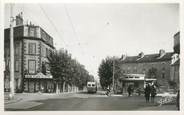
123	57
161	53
140	55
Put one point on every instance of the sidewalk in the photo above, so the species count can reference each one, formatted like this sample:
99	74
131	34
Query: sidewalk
160	108
27	100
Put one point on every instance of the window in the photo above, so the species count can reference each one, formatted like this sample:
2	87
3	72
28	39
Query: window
32	48
31	32
25	31
135	70
163	75
17	66
16	49
144	71
47	52
32	66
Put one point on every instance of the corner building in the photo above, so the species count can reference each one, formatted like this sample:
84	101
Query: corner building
32	45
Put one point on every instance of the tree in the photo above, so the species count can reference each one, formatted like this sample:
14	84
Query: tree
105	72
67	71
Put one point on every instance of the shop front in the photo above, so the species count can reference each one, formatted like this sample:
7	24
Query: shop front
38	83
136	81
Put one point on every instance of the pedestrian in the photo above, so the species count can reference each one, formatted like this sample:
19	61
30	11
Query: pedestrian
138	91
108	91
129	90
178	100
147	91
153	93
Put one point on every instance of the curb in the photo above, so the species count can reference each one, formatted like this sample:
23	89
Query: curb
13	101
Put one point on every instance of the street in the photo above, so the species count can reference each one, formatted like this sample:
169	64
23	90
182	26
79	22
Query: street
93	102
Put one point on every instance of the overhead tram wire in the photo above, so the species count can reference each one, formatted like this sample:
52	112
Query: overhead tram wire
30	16
72	25
52	23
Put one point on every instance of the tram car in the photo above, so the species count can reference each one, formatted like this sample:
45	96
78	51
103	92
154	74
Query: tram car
91	87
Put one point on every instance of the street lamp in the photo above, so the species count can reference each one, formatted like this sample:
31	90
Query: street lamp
113	73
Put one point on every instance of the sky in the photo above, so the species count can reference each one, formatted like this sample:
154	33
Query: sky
93	31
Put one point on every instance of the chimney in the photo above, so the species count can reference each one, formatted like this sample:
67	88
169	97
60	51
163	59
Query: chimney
123	57
161	52
19	19
141	55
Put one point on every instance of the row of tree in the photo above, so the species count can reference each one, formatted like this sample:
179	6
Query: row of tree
67	71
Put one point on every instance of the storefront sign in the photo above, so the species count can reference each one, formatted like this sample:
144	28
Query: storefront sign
39	76
133	77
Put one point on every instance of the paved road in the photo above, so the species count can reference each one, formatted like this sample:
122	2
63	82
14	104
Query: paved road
91	102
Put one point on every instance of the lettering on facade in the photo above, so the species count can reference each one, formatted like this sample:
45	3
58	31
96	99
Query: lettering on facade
39	76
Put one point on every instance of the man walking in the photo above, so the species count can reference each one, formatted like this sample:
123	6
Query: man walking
129	90
153	92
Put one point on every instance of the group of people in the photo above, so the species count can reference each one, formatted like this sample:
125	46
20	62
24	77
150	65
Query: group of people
150	91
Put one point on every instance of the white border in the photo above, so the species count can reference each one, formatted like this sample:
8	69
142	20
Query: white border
93	112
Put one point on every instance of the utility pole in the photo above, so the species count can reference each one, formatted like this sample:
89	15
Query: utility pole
11	54
113	74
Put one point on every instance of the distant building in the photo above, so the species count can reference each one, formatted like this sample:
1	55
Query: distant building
175	62
32	45
138	69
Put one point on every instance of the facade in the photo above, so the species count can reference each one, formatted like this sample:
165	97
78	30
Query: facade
175	63
154	67
32	45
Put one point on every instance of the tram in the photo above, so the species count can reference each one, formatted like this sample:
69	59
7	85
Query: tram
91	87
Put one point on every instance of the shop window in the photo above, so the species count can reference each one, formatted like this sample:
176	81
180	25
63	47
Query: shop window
32	48
32	66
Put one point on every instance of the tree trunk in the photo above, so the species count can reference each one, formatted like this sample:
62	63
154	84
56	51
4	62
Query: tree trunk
57	88
68	88
72	88
64	86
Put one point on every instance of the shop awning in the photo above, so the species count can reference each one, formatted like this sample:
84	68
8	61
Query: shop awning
150	79
133	77
39	76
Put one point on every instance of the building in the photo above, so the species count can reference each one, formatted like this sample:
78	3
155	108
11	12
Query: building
177	43
175	62
32	45
152	67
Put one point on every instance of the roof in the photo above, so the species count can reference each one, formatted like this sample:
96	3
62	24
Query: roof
176	62
178	33
147	58
19	34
